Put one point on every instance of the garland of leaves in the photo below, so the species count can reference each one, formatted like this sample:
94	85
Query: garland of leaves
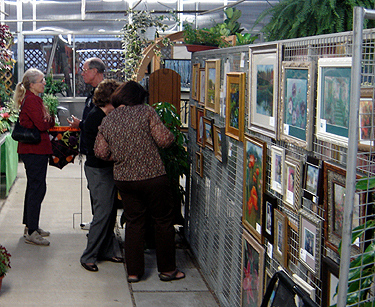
134	42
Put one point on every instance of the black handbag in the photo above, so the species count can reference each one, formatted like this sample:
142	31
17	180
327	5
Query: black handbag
26	135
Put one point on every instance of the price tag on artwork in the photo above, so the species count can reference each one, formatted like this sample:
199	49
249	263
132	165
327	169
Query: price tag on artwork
303	254
242	62
269	249
286	129
259	228
272	121
323	125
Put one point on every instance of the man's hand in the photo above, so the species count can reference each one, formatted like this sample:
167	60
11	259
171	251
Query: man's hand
74	123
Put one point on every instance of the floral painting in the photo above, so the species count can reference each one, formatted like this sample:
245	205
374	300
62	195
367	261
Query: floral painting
252	272
366	119
234	105
296	98
264	104
253	185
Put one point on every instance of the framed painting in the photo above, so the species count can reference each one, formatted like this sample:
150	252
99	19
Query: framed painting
219	143
310	290
333	100
334	178
297	103
277	166
202	86
269	204
208	138
195	82
310	228
312	179
235	105
280	250
193	117
263	89
254	185
330	280
252	271
292	183
199	163
200	126
366	121
212	92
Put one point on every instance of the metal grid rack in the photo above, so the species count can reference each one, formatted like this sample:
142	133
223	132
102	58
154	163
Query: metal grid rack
215	208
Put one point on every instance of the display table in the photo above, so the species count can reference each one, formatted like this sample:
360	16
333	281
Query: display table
9	163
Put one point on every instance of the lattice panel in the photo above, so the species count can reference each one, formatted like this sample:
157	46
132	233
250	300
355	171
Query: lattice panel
6	79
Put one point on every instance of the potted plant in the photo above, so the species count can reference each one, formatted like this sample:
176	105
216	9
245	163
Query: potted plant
175	157
4	263
51	102
203	39
8	116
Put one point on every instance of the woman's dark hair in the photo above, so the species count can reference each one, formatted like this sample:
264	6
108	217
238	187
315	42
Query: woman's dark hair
130	93
103	92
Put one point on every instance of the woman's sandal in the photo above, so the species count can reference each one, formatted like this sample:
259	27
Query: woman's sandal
173	276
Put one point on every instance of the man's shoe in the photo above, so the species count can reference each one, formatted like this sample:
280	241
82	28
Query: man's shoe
36	239
42	232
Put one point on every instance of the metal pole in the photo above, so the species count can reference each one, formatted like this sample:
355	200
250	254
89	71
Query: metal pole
355	93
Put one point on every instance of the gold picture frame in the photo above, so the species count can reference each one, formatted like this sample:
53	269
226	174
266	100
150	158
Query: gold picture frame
235	105
212	88
195	82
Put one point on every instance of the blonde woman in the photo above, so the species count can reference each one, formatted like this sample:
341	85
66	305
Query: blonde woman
34	156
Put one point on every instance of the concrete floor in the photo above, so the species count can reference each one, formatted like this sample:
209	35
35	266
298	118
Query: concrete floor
53	276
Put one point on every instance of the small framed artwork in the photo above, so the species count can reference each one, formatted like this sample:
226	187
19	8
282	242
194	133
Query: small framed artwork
269	204
219	143
312	179
200	126
333	100
195	82
277	165
366	121
199	163
310	290
280	250
297	103
263	89
235	105
252	265
202	85
292	183
330	281
253	185
212	93
193	117
310	228
208	138
334	178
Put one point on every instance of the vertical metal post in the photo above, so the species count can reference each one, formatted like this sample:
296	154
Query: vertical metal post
355	93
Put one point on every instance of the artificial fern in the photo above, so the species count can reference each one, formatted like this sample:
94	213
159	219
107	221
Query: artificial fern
301	18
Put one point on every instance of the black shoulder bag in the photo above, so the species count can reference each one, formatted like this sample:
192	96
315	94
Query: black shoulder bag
25	135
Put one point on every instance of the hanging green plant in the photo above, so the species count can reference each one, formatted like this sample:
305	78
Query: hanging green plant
134	40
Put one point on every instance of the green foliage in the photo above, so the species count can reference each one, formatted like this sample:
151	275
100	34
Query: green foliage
51	102
4	261
133	40
8	115
311	17
55	86
245	39
207	37
231	26
175	157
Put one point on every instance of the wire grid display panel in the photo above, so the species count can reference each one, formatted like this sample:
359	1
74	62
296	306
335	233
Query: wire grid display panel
230	180
215	209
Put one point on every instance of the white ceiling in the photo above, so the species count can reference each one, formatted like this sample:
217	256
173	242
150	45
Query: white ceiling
107	15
